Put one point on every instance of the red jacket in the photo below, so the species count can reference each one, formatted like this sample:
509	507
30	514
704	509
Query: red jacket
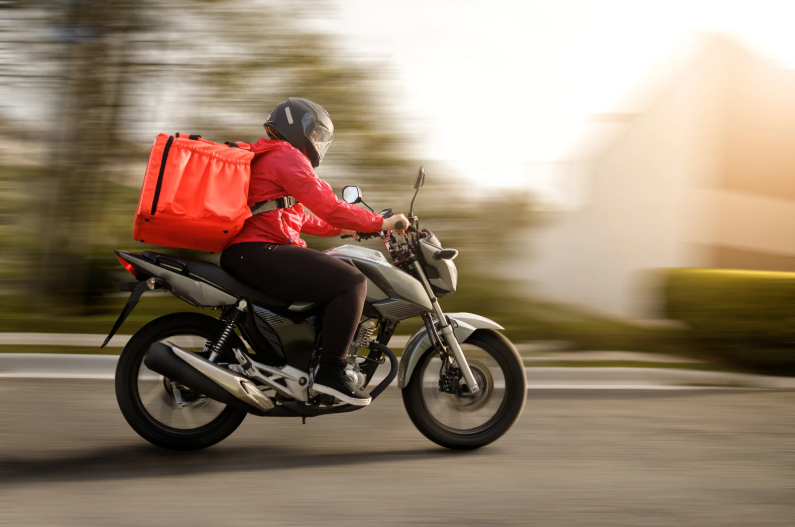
281	170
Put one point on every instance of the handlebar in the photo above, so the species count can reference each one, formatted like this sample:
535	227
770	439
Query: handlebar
399	226
363	235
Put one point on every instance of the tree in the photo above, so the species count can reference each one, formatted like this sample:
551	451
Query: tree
121	71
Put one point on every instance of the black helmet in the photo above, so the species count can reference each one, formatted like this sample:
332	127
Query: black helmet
303	124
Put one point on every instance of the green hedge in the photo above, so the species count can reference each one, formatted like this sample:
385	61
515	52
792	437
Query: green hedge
741	317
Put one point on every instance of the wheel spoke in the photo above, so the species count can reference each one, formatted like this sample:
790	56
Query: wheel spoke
185	413
155	391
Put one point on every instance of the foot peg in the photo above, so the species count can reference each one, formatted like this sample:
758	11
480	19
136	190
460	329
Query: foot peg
244	361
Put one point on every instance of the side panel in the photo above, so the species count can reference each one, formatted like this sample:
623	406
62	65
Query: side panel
191	291
263	340
419	341
295	341
299	344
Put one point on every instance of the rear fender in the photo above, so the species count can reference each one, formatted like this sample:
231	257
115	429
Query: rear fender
419	342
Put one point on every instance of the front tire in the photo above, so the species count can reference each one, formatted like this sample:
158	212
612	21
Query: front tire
203	429
466	423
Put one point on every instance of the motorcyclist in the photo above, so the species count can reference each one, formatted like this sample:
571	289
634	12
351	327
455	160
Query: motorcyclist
270	255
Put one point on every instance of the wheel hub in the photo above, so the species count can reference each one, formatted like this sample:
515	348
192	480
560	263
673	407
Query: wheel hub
188	396
465	401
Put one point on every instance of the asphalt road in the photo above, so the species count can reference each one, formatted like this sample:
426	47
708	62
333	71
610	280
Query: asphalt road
617	458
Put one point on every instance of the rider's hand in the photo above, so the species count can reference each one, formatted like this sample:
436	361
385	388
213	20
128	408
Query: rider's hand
389	223
346	232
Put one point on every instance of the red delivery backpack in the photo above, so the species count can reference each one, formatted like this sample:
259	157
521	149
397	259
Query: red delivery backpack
194	194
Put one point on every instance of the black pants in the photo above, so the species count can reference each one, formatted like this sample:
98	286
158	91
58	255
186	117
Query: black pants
300	274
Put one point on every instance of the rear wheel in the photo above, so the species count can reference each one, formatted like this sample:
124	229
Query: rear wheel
147	399
467	421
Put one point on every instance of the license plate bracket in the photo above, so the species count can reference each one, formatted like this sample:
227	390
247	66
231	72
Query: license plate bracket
137	290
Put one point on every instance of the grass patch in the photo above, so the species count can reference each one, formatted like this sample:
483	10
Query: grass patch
740	317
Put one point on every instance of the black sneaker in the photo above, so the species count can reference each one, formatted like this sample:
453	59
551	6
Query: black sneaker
335	382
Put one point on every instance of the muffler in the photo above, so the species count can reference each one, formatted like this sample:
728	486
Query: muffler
202	376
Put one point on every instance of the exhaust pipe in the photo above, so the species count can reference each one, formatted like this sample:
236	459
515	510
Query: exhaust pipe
201	375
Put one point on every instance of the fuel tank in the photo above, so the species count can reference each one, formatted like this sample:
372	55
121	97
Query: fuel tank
395	294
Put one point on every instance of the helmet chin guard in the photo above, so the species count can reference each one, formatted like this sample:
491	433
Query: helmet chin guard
303	124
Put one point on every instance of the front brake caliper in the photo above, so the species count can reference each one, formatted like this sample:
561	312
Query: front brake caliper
448	381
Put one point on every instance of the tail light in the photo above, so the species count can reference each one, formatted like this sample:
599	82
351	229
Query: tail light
127	265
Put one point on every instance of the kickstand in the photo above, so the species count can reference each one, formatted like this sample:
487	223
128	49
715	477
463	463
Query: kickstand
303	418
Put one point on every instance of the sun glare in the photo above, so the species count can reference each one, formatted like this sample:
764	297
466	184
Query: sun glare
502	84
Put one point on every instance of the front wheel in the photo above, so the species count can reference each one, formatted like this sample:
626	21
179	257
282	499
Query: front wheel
467	421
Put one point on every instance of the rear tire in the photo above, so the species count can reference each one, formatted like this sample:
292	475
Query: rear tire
501	352
129	399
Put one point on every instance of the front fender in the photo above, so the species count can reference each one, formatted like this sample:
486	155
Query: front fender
419	342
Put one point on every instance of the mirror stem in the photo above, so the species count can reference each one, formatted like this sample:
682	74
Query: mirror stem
366	205
411	208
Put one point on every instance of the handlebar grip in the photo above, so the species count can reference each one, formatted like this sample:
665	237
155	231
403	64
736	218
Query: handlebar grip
399	226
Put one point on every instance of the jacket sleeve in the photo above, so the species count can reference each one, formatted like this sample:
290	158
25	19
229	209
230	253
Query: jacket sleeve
299	180
317	227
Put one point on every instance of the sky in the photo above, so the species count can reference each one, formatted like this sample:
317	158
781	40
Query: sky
498	89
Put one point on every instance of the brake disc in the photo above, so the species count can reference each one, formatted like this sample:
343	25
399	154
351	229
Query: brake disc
465	402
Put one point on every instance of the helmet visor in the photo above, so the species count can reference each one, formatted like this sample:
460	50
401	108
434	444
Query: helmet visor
321	137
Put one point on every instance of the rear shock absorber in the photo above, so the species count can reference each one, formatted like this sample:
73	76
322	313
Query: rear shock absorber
231	318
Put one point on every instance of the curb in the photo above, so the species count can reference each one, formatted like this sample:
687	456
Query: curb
73	366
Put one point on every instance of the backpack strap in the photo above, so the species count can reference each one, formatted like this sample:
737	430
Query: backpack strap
192	137
273	204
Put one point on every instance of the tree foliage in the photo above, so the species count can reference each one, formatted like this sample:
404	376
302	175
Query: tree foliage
104	76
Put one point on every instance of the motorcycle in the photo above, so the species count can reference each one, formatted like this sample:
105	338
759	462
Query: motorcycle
186	381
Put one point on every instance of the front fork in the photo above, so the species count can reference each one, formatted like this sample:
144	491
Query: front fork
447	333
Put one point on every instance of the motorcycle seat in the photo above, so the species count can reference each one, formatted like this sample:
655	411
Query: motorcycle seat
214	274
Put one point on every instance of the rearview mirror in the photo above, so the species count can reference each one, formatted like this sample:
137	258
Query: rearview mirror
420	181
351	195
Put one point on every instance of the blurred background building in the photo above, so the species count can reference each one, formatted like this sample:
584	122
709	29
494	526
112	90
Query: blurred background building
702	176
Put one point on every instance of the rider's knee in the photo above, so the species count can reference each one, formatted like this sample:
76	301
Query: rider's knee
359	283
